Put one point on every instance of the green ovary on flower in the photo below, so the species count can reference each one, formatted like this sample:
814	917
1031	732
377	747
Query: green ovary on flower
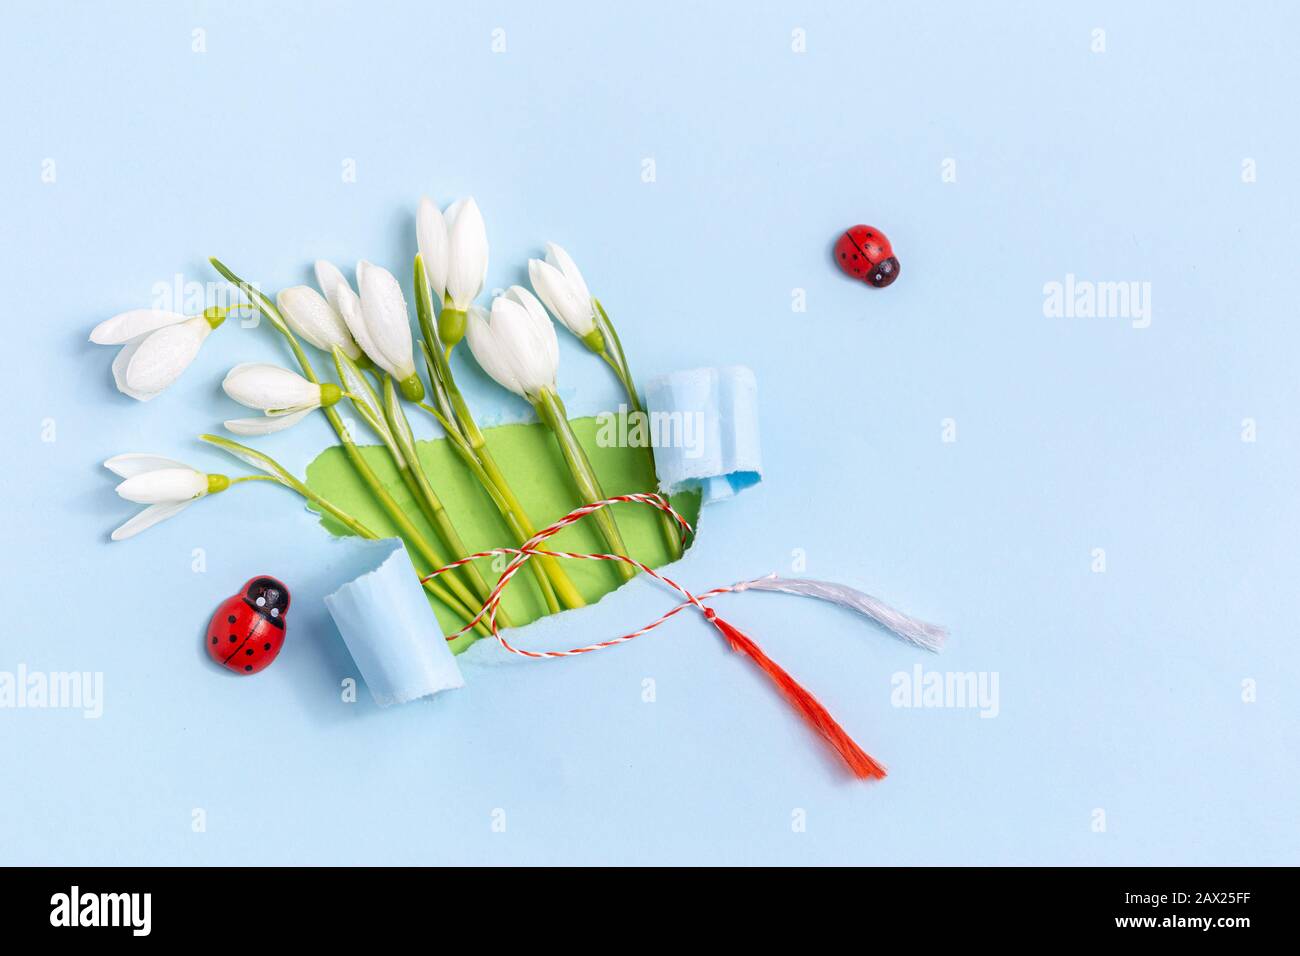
412	388
451	326
330	394
215	315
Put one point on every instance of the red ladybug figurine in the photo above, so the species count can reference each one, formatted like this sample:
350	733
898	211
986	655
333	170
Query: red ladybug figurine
247	631
864	253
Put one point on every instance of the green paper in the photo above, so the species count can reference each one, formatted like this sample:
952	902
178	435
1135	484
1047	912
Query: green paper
528	456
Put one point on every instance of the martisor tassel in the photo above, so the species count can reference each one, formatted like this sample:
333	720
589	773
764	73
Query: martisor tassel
858	760
928	636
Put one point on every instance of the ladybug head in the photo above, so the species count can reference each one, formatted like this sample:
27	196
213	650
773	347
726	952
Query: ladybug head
884	272
268	596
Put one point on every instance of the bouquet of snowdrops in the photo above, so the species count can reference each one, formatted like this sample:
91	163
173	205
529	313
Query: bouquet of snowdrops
365	334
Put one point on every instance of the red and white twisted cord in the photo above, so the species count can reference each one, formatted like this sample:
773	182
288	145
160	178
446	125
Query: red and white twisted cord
813	712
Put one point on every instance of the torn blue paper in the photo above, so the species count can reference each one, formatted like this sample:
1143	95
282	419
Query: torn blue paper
385	621
704	423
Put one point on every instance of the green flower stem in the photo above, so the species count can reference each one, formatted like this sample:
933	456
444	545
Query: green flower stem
389	422
564	586
541	567
510	517
458	422
614	357
345	519
281	475
394	510
364	471
550	409
418	481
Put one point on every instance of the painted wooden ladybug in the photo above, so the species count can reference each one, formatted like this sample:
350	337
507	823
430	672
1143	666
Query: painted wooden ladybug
864	253
247	631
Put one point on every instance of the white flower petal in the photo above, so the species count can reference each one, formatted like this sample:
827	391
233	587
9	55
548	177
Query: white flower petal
355	319
163	355
534	308
534	342
130	465
451	212
129	325
266	387
387	319
312	317
148	518
557	257
562	297
548	283
163	485
519	343
330	279
120	365
266	424
431	235
467	256
482	342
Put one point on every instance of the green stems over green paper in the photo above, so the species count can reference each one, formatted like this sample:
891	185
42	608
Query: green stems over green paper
454	415
550	409
386	501
389	422
426	496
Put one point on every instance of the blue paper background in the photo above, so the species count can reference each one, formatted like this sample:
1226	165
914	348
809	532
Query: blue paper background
1119	691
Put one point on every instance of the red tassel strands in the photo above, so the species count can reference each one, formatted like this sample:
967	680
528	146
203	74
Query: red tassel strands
817	716
858	761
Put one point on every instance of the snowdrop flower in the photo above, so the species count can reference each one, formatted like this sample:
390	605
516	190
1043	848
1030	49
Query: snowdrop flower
314	318
516	345
283	396
454	247
157	346
166	486
377	319
560	285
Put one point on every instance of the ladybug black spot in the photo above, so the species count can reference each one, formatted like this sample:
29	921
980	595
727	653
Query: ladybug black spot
233	639
214	640
248	667
231	619
266	646
249	652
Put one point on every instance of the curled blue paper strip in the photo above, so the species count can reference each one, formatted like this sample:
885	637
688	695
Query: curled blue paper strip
704	424
387	625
